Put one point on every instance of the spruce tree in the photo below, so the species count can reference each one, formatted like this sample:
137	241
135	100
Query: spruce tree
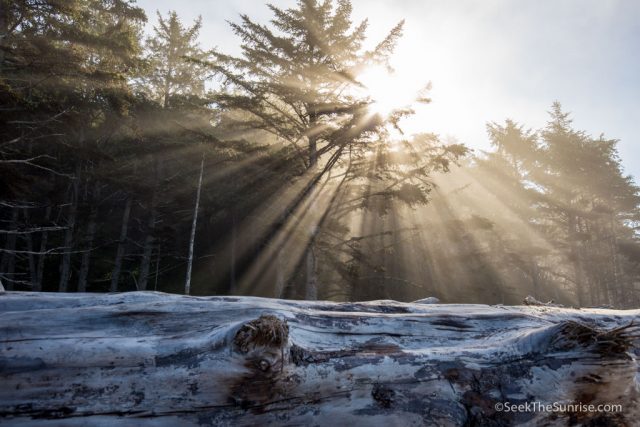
298	79
569	188
175	60
64	78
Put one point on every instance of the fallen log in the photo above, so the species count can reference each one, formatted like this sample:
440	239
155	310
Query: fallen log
150	359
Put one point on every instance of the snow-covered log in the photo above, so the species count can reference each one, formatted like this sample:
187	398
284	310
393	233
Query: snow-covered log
152	359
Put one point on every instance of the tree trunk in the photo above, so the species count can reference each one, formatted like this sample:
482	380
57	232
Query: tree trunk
150	238
8	262
281	261
535	278
192	238
4	30
90	235
28	238
233	286
33	273
149	241
37	287
122	243
313	151
65	266
576	261
311	286
155	279
621	298
311	270
280	273
150	359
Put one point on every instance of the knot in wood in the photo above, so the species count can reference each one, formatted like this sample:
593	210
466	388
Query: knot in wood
265	331
264	365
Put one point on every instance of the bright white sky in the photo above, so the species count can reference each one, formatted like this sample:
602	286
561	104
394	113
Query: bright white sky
489	60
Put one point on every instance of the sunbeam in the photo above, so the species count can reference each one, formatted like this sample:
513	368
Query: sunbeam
389	90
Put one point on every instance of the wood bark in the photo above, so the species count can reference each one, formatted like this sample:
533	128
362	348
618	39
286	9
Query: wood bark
153	359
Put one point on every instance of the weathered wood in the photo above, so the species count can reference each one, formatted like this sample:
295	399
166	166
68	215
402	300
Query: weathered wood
147	358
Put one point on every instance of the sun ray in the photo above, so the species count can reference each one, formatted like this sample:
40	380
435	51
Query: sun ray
388	90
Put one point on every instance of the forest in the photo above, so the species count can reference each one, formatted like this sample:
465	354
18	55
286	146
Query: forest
134	162
249	235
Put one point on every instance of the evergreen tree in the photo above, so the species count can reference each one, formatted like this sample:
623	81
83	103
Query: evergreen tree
64	73
588	197
175	60
298	79
569	188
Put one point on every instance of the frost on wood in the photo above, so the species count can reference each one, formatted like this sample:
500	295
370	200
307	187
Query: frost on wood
148	358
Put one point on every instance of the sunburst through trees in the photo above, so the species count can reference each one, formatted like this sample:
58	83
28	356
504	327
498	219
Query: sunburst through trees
289	162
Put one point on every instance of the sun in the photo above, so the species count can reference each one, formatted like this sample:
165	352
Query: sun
387	90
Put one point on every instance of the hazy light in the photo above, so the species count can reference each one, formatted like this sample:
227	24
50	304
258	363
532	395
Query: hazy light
388	90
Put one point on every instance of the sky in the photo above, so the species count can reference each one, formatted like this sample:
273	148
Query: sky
489	60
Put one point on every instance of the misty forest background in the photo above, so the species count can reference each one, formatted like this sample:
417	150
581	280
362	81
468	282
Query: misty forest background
130	162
